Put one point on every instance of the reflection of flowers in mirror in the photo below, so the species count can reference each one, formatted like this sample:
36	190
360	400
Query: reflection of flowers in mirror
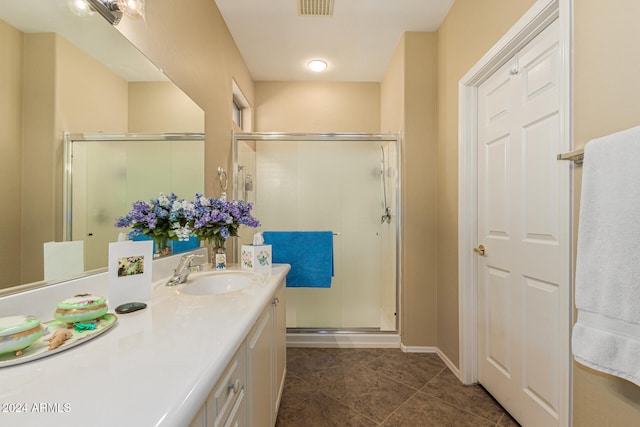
163	218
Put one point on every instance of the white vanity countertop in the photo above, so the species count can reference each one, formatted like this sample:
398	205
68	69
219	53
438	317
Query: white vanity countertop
155	367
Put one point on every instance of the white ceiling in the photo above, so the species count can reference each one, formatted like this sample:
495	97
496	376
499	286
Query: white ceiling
357	41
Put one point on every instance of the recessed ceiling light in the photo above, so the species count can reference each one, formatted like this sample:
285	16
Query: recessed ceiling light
317	65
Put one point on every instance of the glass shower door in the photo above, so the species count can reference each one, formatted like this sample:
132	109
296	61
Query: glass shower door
334	185
110	172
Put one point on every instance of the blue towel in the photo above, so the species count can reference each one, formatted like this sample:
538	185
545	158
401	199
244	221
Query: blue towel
310	254
176	245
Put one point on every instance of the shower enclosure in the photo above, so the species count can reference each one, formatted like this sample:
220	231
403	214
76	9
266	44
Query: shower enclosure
106	173
345	183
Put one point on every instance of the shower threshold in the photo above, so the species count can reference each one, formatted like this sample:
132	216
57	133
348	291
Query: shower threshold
342	338
337	331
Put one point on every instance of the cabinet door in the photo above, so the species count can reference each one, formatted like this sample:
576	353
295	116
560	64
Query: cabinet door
280	346
259	371
228	394
200	419
238	413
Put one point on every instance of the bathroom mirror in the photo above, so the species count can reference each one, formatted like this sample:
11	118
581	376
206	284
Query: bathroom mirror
66	73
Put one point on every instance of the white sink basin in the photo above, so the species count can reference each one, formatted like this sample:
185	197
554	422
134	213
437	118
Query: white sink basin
216	283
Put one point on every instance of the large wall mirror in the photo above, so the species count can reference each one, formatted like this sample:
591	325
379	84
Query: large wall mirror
63	73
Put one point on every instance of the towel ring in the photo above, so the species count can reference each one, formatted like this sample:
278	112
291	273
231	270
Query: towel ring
222	177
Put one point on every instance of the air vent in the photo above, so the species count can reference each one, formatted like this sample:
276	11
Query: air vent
315	7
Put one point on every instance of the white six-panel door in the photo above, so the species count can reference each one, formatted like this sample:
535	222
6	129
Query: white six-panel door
521	358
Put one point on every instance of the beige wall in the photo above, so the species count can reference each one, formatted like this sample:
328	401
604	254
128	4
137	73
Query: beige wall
408	105
38	152
162	107
88	96
10	142
317	107
470	29
606	94
59	94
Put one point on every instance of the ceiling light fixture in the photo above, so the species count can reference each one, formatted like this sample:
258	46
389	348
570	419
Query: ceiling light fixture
317	65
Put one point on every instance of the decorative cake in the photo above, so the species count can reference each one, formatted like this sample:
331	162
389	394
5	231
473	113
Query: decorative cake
18	333
81	308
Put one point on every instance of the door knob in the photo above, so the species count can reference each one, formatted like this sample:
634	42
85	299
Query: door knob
479	250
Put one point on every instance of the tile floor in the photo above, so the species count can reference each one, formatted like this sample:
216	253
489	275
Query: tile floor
380	387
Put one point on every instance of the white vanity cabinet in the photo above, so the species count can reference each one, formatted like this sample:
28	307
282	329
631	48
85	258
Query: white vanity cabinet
280	348
237	362
266	362
226	404
248	392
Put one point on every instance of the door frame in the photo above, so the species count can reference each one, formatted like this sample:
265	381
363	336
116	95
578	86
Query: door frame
541	14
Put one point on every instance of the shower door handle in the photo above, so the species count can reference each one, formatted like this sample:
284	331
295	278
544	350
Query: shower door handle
480	250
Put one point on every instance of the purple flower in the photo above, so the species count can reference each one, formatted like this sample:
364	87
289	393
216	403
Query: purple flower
217	219
163	218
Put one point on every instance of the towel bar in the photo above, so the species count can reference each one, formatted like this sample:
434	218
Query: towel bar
576	156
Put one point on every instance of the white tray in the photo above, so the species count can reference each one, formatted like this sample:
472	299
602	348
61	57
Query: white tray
40	348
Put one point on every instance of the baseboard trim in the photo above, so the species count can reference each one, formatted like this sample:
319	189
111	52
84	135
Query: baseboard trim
342	340
418	349
450	364
445	359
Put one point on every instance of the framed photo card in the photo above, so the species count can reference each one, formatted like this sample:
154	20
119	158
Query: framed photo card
130	271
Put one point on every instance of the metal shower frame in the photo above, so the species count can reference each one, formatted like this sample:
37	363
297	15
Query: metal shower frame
288	136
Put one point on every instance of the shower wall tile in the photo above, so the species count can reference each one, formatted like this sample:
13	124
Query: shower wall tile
337	186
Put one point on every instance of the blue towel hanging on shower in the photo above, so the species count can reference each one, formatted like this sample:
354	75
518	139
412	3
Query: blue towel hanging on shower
310	254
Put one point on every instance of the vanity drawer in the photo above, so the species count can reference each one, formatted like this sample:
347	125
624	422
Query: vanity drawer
227	397
238	413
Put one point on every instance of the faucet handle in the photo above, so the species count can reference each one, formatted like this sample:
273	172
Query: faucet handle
191	257
196	256
186	260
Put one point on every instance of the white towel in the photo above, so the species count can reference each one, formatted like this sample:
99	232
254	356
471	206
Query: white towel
606	336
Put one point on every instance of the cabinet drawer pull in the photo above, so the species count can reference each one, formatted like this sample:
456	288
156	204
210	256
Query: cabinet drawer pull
276	301
234	386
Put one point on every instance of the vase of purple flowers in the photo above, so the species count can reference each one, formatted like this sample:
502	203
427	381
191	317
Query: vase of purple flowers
162	219
168	218
216	220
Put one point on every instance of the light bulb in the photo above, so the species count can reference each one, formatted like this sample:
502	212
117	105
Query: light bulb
132	8
317	65
80	7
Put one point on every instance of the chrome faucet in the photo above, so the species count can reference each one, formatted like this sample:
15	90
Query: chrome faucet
184	268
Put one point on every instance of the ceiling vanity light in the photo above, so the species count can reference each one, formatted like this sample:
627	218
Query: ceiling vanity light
132	8
317	65
111	10
80	7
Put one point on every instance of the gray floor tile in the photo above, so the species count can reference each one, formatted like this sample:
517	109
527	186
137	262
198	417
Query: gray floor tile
367	391
412	369
471	398
424	411
380	387
320	410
